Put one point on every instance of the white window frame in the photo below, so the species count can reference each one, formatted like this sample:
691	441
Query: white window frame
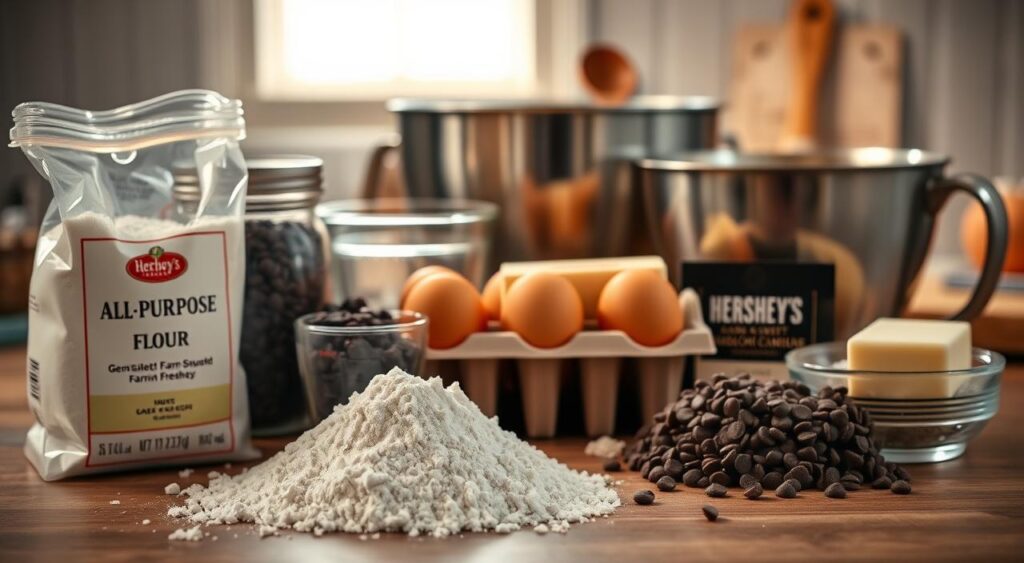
561	32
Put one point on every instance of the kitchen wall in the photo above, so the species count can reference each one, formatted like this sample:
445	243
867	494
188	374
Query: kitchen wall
964	69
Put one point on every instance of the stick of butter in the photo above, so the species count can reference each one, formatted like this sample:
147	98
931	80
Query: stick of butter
907	345
588	276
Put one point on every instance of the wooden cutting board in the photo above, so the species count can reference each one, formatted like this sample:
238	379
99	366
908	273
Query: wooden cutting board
861	97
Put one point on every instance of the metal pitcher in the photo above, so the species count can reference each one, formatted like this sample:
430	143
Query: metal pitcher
558	171
869	211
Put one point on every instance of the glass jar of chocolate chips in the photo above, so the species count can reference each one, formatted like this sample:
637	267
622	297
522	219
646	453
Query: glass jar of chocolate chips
284	279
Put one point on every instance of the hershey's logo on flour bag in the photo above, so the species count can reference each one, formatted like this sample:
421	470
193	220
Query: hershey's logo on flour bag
760	311
135	301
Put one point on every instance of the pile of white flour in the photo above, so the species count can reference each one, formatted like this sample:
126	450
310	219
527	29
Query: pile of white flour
406	455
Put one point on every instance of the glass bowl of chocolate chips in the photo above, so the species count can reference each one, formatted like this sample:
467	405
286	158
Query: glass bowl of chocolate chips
342	347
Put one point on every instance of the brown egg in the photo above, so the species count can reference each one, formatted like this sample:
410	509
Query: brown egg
643	305
418	276
453	306
543	308
492	297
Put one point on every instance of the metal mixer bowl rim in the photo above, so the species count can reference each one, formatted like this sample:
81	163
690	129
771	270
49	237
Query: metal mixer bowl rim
638	104
833	160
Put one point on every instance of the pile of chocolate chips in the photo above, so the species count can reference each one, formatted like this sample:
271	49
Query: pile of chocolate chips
764	436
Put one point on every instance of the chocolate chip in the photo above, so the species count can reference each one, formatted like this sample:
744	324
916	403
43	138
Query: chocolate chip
731	407
780	408
786	490
901	473
710	512
716	490
850	484
831	475
747	480
802	475
783	424
882	482
612	465
691	477
795	483
655	474
754	491
674	469
710	420
666	484
772	480
852	459
839	417
800	412
790	460
835	490
807	437
900	487
721	478
735	431
743	464
643	497
807	453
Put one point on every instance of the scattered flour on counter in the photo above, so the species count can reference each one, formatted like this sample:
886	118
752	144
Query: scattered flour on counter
406	455
191	534
605	446
115	502
184	473
146	522
172	489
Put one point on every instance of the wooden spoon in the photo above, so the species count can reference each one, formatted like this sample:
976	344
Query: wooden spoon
810	27
607	74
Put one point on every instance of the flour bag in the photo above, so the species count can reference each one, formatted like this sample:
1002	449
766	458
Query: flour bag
135	302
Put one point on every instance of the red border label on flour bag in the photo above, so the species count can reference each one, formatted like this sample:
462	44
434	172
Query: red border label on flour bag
135	304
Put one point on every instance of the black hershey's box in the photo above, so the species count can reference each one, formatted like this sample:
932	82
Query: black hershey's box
760	311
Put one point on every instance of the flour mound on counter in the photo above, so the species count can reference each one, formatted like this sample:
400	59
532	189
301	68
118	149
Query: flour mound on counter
406	455
181	534
605	446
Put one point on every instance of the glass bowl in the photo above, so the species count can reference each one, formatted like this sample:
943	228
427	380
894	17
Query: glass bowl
918	417
336	361
376	243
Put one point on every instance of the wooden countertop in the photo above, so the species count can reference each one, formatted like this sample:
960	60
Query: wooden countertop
969	508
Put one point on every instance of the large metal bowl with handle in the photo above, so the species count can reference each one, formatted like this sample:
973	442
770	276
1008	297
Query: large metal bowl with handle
868	211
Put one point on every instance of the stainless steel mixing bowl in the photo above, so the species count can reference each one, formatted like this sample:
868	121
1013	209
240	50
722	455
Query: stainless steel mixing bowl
559	171
869	211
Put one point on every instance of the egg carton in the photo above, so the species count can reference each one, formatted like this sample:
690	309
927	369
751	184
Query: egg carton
600	353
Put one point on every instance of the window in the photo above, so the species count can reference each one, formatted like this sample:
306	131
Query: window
376	49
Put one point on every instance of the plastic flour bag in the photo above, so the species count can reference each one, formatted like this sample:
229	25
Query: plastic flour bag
135	303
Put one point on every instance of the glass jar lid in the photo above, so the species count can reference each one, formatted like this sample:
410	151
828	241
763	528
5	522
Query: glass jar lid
276	183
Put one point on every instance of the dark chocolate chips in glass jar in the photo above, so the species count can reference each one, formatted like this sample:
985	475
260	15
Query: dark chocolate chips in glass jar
284	280
285	276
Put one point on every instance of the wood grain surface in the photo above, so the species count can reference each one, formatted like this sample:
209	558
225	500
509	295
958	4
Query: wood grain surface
971	508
